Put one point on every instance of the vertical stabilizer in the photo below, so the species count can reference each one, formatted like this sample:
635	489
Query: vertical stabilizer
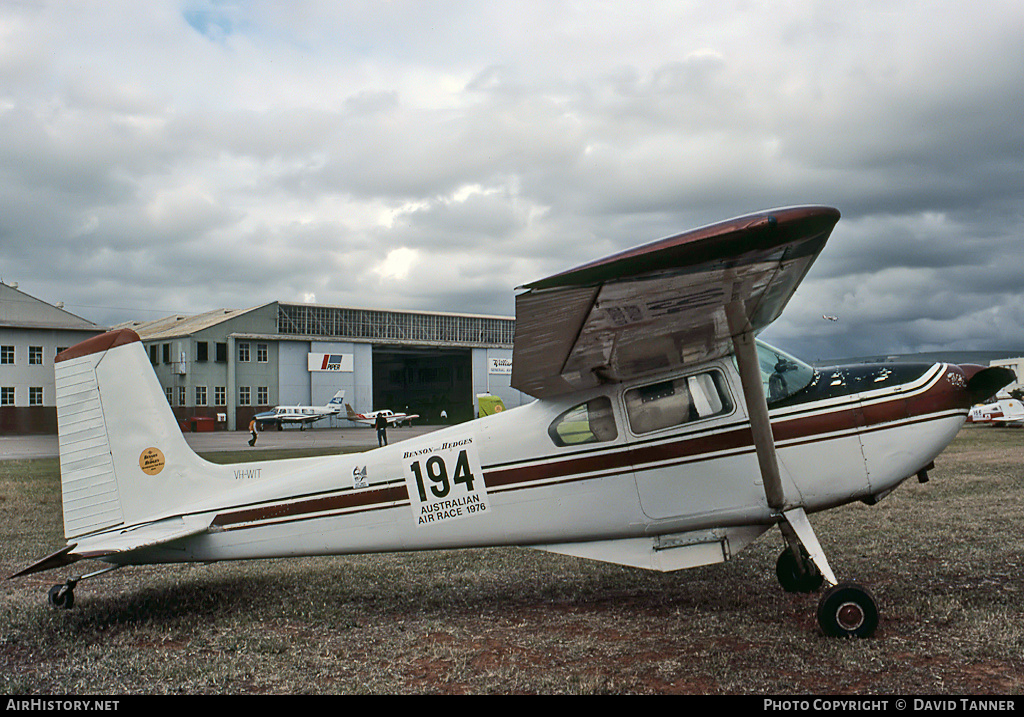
122	455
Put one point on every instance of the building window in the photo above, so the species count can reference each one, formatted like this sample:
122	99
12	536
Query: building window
35	396
222	353
7	396
167	353
169	392
181	395
202	351
35	355
261	353
200	395
262	396
244	397
220	396
60	350
6	354
153	355
243	353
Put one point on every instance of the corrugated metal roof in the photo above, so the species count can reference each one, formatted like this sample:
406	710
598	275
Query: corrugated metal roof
177	326
19	310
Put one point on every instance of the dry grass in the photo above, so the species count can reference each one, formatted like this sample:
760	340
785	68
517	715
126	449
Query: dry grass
945	561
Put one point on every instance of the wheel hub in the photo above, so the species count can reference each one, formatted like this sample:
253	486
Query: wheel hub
850	615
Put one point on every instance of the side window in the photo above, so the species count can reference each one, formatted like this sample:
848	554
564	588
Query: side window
679	401
590	422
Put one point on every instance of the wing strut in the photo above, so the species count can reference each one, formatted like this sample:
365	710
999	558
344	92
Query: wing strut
794	524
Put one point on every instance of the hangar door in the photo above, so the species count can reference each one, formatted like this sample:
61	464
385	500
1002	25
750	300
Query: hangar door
424	381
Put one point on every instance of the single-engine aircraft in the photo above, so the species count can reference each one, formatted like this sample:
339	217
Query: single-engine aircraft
370	418
302	415
663	436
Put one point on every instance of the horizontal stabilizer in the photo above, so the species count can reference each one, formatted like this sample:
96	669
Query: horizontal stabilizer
105	545
62	557
143	536
665	553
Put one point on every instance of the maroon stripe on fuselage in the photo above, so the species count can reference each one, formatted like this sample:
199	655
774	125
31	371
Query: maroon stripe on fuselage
811	426
339	502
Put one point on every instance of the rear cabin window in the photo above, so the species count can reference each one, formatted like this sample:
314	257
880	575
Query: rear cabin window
590	422
678	401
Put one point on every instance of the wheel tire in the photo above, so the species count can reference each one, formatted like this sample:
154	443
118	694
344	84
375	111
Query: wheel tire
61	596
788	572
847	610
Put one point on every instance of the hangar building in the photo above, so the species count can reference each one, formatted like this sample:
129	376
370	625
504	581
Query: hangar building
32	333
222	367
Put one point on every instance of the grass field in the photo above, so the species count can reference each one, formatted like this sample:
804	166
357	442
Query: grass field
945	560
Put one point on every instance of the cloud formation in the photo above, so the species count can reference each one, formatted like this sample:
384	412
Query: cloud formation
183	155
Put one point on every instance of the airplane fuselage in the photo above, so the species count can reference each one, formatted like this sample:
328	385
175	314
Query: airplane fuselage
545	473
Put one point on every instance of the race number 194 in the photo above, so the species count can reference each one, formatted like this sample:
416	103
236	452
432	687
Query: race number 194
445	482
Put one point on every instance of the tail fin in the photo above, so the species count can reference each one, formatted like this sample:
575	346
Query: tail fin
123	457
351	413
337	401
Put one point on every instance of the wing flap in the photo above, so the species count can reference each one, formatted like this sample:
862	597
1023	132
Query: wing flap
663	305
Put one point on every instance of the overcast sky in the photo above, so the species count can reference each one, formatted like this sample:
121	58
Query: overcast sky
176	156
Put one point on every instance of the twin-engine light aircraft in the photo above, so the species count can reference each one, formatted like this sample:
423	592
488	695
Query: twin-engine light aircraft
370	418
663	436
301	415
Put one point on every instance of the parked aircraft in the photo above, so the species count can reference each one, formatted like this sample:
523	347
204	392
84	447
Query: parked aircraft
1004	411
370	418
302	415
663	436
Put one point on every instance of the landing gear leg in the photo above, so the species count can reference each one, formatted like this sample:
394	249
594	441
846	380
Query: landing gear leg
845	610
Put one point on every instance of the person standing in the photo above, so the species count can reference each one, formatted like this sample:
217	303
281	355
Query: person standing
253	431
381	424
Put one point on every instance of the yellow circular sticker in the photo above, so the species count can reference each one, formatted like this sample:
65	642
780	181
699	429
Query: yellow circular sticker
151	461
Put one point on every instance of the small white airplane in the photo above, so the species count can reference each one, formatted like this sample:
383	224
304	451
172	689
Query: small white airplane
371	418
1005	411
302	415
663	436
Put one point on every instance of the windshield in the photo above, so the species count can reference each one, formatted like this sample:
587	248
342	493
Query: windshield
781	374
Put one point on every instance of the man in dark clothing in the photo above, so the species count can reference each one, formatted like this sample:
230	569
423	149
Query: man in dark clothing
381	424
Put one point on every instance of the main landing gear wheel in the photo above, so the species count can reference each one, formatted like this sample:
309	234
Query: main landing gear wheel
847	610
792	578
62	596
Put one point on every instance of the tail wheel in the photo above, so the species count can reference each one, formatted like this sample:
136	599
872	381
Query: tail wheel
62	596
847	610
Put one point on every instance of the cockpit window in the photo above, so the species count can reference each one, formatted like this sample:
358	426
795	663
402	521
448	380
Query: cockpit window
677	401
590	422
781	374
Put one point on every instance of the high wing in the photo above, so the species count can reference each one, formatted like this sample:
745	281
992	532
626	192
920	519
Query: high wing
667	304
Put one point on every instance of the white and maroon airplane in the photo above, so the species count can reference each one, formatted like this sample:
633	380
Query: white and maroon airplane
663	436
